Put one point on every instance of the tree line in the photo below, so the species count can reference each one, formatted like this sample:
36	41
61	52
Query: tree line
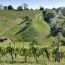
21	7
10	7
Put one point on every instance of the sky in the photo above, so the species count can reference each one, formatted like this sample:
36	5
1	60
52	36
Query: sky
34	3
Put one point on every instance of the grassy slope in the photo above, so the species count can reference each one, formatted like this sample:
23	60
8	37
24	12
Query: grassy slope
9	20
38	29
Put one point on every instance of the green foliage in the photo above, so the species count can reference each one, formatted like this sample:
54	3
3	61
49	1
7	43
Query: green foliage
24	52
48	15
19	8
33	51
10	7
10	50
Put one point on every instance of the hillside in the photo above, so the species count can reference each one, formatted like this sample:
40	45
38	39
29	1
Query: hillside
9	21
31	37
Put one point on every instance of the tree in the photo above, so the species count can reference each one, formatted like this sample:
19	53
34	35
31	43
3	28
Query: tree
5	7
25	6
56	52
41	8
19	8
31	9
1	7
48	15
10	7
62	9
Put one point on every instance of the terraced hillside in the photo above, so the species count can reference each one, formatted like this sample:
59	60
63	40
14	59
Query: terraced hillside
12	25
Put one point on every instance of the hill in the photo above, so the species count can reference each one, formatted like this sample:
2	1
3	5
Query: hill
10	20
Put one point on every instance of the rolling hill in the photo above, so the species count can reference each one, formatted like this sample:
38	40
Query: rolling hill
10	20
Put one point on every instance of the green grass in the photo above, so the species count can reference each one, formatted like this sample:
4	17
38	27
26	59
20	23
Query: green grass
9	20
17	44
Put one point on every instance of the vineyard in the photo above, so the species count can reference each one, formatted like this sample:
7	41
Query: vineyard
33	52
32	37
